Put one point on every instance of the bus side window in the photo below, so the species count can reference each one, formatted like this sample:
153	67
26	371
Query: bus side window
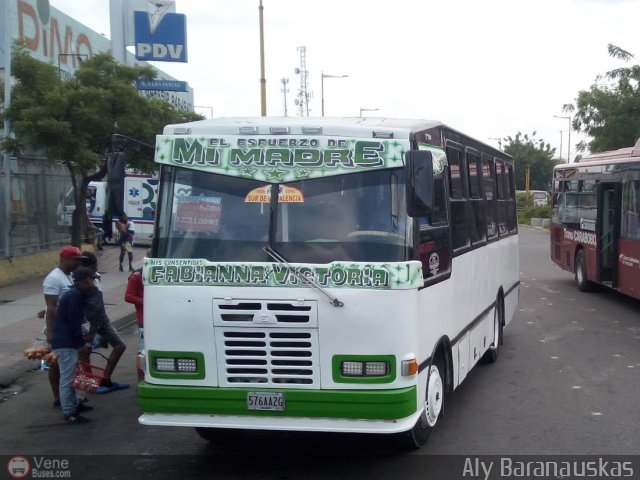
501	204
434	234
457	200
476	203
631	210
488	178
510	194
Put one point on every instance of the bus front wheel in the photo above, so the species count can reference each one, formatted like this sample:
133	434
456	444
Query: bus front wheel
417	437
584	285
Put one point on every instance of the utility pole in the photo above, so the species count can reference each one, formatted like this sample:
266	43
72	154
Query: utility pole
8	44
568	137
263	80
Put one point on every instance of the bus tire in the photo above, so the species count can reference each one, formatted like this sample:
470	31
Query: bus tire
417	437
584	285
491	355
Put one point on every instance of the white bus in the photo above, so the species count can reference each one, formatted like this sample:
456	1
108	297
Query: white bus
315	274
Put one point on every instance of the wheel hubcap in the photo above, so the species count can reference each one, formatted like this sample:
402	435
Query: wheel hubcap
434	396
579	272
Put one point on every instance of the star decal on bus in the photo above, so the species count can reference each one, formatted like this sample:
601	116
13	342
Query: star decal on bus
303	173
275	174
248	171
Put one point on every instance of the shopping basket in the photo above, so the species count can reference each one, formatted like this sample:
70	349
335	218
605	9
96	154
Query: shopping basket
87	377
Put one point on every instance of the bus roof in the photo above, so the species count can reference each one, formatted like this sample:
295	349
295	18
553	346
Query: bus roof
619	154
343	127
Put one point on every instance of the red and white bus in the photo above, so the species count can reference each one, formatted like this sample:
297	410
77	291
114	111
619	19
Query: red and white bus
595	225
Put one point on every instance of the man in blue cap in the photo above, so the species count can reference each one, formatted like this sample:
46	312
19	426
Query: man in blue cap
68	339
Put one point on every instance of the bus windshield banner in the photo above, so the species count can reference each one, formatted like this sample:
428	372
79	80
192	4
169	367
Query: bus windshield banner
200	272
279	159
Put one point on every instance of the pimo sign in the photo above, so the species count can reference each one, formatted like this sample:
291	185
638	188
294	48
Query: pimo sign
163	41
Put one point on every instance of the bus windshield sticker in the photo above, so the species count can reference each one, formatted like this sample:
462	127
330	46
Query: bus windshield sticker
281	159
200	272
286	194
198	214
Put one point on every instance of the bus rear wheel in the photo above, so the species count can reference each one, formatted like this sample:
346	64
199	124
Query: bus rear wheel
417	437
584	285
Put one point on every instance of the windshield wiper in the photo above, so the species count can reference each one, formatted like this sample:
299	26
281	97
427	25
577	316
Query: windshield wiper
301	278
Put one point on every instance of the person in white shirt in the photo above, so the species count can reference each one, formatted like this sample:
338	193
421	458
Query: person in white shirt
58	281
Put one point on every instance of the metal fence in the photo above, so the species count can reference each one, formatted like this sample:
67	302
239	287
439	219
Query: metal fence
36	188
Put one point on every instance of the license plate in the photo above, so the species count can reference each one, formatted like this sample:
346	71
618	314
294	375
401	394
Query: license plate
265	401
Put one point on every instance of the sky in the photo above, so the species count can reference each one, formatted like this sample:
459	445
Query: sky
487	68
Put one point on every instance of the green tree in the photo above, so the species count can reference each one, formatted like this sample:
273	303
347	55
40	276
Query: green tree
73	119
609	111
527	151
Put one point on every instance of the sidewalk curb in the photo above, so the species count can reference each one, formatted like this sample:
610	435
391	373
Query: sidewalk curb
12	372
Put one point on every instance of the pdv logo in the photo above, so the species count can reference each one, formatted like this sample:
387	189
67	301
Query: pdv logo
165	41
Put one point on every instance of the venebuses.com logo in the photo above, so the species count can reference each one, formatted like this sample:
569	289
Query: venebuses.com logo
38	467
18	467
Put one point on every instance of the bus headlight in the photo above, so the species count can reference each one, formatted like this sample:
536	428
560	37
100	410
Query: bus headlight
183	365
166	364
174	365
187	365
365	369
352	369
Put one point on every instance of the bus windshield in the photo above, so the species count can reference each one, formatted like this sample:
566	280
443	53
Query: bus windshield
353	217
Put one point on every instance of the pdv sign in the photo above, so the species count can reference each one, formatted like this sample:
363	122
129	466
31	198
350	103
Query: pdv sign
167	42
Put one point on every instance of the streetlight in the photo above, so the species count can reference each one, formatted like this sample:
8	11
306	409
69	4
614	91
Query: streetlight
560	144
568	138
80	57
368	110
322	77
497	139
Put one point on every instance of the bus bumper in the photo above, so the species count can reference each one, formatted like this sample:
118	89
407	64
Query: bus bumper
302	424
357	411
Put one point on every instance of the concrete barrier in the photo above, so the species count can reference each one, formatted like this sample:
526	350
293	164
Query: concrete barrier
536	222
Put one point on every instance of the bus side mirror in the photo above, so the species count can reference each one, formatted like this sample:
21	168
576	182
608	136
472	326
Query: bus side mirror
419	173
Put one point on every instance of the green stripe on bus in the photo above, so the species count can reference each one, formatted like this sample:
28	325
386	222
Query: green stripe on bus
351	404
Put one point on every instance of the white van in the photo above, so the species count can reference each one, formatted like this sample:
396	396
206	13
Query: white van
139	203
540	197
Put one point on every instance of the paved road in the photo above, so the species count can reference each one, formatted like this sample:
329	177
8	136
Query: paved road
566	382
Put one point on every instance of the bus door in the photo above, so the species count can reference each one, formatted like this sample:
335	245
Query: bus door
608	231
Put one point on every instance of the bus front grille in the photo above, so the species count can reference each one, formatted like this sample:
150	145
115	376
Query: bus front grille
234	312
274	357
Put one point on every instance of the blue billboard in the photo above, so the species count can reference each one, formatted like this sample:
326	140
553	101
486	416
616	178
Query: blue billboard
167	42
165	85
